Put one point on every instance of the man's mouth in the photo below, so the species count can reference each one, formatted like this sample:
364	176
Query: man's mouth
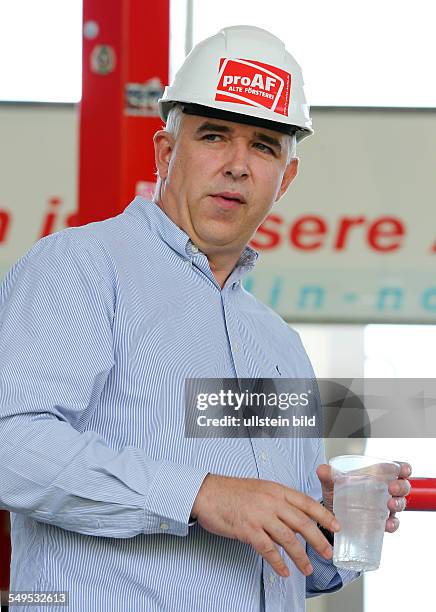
229	199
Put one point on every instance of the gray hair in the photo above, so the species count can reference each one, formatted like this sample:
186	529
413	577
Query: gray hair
173	125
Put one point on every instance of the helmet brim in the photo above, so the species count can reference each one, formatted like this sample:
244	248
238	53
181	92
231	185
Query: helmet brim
190	108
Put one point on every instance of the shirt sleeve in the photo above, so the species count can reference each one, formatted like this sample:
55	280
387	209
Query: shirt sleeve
325	578
57	305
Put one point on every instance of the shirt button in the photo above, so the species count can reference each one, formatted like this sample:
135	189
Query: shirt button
264	456
271	578
236	346
194	248
164	526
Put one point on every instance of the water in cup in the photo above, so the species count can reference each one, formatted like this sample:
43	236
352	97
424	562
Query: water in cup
360	505
361	509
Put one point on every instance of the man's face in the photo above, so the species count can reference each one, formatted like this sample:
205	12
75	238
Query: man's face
220	179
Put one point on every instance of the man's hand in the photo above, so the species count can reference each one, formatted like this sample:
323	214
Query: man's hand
263	513
399	489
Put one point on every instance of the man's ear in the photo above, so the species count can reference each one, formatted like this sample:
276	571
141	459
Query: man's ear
288	176
163	148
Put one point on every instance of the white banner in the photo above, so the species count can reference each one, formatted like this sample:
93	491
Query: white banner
38	161
354	239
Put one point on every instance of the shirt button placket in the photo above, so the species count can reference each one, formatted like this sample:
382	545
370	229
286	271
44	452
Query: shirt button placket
273	597
235	343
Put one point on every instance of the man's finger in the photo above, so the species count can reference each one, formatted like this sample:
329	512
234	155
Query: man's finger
286	538
405	470
397	504
324	473
399	488
312	508
262	543
301	523
392	524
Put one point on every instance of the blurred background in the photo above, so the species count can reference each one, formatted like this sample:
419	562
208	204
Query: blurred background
348	254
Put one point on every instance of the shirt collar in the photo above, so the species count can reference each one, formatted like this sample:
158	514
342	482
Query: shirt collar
178	240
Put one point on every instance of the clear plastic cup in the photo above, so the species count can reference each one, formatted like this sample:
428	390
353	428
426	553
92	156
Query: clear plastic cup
360	505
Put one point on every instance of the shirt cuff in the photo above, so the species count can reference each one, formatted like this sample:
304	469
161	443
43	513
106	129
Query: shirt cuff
326	577
171	497
348	576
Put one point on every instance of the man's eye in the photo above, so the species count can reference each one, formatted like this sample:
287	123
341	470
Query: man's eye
211	137
264	147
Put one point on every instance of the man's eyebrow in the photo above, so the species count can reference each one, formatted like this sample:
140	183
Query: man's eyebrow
274	142
207	126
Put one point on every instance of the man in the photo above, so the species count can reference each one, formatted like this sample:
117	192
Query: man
100	327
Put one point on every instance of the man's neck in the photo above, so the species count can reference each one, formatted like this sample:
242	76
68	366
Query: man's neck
221	266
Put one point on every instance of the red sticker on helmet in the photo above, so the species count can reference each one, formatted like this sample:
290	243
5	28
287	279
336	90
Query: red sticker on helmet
253	83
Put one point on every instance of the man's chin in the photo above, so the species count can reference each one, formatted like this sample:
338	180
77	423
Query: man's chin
215	242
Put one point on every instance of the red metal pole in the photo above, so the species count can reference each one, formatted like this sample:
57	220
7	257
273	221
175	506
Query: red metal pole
125	67
422	495
5	552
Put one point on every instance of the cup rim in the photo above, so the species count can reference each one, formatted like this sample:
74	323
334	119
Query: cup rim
370	457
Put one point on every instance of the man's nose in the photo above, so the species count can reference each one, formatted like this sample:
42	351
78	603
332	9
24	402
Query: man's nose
236	164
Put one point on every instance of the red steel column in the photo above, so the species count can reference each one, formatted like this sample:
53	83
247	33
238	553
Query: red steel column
422	495
5	554
125	67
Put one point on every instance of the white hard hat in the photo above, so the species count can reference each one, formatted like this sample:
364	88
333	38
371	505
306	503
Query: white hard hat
243	74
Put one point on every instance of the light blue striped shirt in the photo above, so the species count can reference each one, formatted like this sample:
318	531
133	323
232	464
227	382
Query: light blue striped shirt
100	325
